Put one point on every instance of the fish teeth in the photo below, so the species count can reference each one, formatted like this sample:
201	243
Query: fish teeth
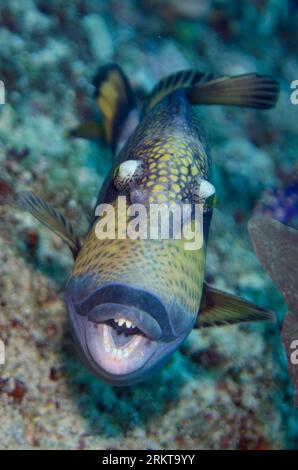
118	353
124	321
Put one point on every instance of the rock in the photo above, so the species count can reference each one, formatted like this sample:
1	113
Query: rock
99	37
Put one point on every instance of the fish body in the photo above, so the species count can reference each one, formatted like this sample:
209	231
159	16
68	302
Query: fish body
132	301
167	279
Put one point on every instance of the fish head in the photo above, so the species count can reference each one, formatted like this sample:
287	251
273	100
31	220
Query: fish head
131	303
123	342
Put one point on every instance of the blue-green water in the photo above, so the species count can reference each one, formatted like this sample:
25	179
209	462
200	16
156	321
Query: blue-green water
226	387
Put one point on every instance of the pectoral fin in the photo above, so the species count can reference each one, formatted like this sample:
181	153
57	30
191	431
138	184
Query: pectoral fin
50	217
220	308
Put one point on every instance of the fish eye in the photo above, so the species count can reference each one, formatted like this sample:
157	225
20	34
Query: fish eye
127	173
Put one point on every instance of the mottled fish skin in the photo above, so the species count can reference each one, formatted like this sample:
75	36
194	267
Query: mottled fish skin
170	143
131	302
164	268
155	287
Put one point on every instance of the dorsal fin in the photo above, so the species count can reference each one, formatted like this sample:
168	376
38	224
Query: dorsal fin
250	90
176	81
115	100
51	218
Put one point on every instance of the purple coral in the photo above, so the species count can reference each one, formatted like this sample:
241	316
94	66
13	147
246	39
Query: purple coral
281	204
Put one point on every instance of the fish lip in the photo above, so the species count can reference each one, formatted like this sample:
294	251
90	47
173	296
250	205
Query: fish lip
78	325
141	319
124	295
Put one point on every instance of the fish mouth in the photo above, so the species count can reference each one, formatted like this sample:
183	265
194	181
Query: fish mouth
120	338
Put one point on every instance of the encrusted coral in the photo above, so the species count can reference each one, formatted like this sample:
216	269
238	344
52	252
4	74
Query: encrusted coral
227	387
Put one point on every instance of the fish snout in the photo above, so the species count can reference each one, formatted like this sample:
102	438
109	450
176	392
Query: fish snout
122	336
124	332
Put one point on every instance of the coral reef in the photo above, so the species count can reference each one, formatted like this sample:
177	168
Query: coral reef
227	387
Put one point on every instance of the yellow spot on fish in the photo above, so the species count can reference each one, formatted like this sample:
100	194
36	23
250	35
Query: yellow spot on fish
158	188
173	178
162	197
166	157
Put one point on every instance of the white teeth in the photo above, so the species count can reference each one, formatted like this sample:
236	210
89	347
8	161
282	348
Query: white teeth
122	321
117	353
120	353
